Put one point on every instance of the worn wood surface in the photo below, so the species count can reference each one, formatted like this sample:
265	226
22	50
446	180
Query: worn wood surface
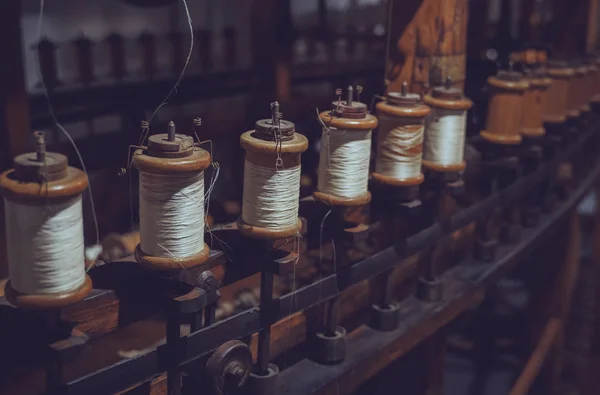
428	43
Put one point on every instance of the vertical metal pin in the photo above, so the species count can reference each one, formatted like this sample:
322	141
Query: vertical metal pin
448	84
171	131
40	146
404	90
350	96
275	113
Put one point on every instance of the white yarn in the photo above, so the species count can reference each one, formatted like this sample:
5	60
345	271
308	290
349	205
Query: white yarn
445	136
45	246
172	214
399	150
344	162
271	197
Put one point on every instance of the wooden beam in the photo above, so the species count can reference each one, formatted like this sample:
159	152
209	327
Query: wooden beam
428	43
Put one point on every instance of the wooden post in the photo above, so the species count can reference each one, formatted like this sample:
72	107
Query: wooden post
14	113
428	43
14	116
272	38
574	27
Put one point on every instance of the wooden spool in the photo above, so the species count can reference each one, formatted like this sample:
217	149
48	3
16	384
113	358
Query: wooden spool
556	105
262	150
171	156
505	108
40	182
353	117
533	103
408	109
446	98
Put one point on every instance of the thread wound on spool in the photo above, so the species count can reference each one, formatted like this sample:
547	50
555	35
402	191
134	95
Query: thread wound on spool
45	246
271	196
344	162
445	136
172	214
400	148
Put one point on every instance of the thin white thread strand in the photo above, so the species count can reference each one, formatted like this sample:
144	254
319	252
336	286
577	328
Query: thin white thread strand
271	196
45	246
146	130
57	124
399	150
445	137
344	162
172	214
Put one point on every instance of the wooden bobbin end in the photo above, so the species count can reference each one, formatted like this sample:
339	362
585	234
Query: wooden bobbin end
505	139
170	263
47	301
573	114
392	181
331	120
297	144
595	98
508	80
444	168
448	97
336	201
416	110
533	132
195	160
14	188
258	232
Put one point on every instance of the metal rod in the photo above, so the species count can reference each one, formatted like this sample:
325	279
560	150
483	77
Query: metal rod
40	146
173	340
264	336
171	131
209	314
350	98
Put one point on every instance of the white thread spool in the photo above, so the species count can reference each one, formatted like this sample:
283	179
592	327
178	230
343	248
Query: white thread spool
44	227
45	246
271	178
400	139
446	126
172	214
345	154
171	202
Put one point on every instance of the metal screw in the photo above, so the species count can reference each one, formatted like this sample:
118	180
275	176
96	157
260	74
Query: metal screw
40	146
350	96
171	132
404	90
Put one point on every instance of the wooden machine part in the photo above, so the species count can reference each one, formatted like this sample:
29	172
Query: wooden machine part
556	105
534	102
505	108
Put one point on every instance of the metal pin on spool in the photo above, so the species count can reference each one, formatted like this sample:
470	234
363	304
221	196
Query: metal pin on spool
171	131
40	146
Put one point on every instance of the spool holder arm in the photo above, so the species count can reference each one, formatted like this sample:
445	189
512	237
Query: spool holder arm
405	220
